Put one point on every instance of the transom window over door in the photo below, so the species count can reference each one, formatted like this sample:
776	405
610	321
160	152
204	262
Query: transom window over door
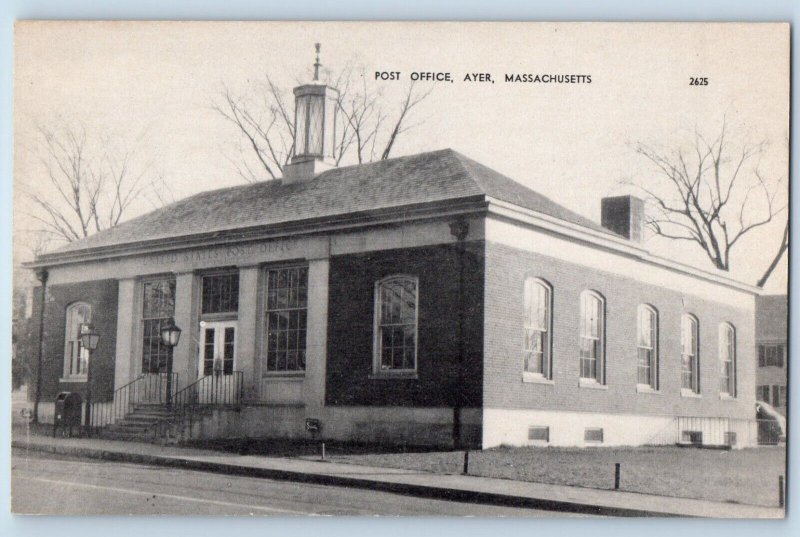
537	322
287	302
647	346
690	373
396	302
76	358
158	306
220	293
727	359
592	328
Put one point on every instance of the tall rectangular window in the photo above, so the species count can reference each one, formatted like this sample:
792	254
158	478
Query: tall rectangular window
220	293
762	393
647	346
771	355
689	354
727	359
158	306
76	358
396	303
286	319
592	327
778	395
536	344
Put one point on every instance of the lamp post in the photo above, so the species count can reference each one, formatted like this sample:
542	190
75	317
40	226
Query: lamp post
170	336
89	340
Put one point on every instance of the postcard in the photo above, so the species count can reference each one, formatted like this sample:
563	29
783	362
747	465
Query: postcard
400	268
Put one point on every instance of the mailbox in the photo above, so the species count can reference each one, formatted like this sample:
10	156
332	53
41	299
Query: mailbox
68	412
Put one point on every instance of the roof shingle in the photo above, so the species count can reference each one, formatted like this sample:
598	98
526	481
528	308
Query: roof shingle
427	177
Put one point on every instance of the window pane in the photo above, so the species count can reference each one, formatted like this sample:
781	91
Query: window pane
315	126
300	127
286	318
220	293
397	331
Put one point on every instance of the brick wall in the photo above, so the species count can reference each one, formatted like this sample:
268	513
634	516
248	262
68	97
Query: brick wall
506	269
102	296
350	328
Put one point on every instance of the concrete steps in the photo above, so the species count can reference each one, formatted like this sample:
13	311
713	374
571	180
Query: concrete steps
149	423
139	425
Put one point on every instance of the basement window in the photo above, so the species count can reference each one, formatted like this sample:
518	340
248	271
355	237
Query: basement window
593	435
692	437
539	433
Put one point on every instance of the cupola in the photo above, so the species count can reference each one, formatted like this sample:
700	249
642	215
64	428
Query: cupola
315	129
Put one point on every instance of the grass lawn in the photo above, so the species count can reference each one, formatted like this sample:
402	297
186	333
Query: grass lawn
748	476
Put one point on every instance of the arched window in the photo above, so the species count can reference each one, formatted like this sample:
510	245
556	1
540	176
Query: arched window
592	335
537	327
396	302
690	359
647	345
76	358
727	359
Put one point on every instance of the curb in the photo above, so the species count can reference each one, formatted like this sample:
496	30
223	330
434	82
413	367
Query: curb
407	489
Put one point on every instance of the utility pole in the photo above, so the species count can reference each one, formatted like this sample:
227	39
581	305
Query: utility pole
41	275
459	229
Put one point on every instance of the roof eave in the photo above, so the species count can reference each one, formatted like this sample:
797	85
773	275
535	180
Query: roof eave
411	212
608	241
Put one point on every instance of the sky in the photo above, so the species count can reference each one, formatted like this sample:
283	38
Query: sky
152	86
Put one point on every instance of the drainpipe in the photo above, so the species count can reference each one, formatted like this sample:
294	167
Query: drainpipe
459	229
41	275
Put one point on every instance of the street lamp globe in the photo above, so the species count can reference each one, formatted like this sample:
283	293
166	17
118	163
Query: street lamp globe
170	333
89	338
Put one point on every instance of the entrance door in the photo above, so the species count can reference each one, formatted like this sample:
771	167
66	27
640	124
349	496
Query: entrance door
217	361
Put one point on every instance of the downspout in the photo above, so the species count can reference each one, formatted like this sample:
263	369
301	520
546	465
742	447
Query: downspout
459	230
41	275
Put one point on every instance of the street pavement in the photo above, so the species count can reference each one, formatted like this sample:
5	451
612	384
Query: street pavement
53	484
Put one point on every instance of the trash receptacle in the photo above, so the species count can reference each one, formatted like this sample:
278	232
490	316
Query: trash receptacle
67	412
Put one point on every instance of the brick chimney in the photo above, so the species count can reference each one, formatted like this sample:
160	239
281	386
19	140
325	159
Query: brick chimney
624	215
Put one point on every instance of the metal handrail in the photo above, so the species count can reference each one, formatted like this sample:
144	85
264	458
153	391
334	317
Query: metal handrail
209	391
147	387
214	390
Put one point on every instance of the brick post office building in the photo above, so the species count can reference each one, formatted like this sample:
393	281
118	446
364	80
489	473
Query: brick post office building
425	299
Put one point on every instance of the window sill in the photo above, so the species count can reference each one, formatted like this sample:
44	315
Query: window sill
283	376
591	384
727	397
395	375
646	388
73	379
690	393
536	378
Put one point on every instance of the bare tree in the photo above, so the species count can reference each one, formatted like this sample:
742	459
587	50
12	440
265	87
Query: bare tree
87	185
778	255
711	193
263	118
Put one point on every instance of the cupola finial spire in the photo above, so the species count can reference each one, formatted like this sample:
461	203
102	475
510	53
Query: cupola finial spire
316	63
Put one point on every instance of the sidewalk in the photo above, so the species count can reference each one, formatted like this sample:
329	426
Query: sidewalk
448	487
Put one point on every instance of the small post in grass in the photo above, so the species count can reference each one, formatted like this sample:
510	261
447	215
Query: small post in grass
323	451
781	492
616	475
466	462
